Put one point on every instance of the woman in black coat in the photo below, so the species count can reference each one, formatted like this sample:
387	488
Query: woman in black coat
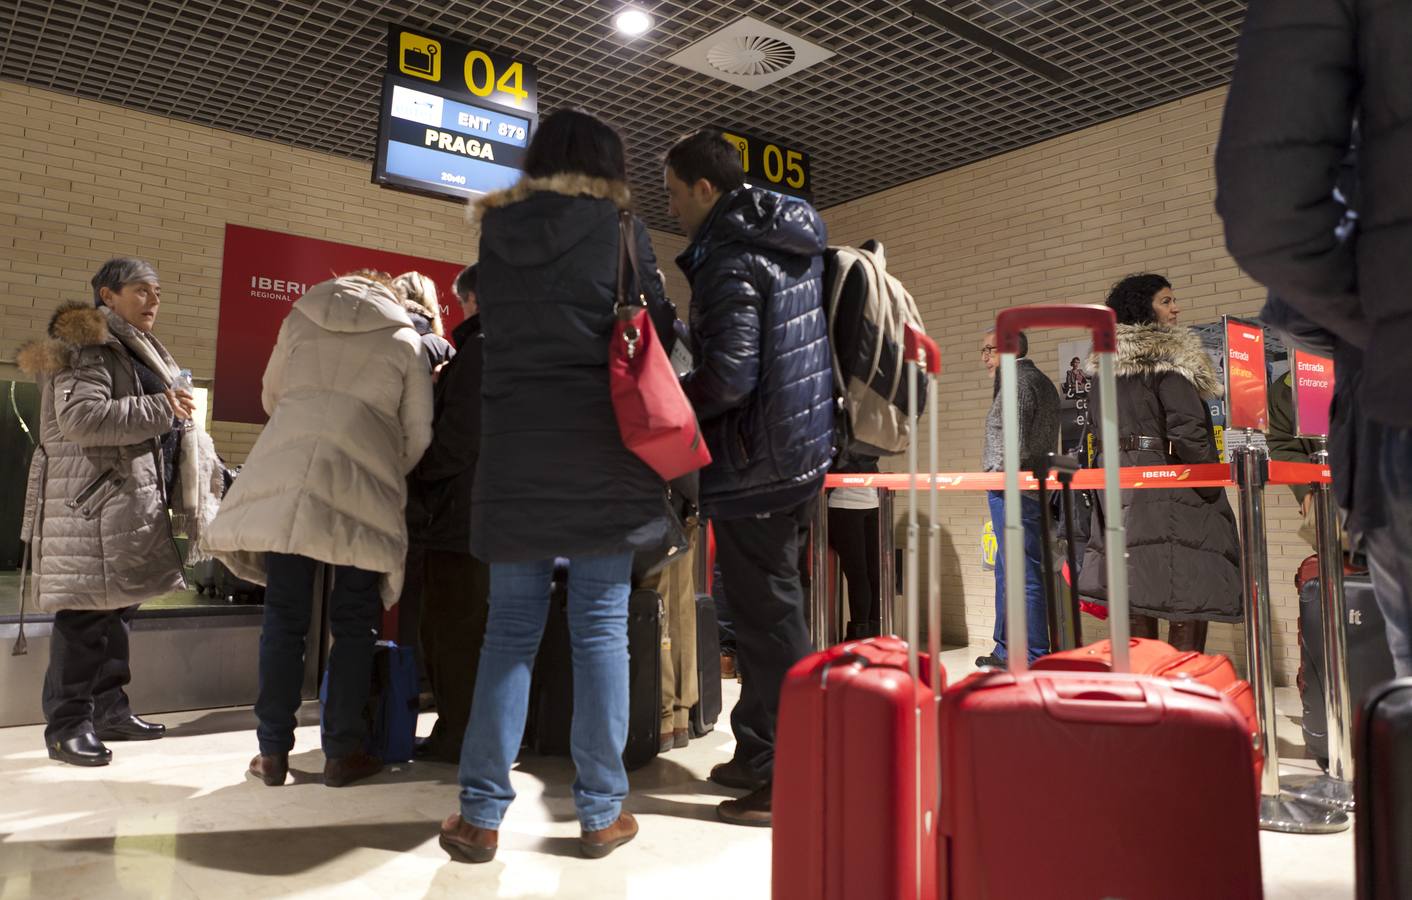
553	478
1183	549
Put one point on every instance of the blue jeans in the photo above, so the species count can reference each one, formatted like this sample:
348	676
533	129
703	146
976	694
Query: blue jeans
598	633
1036	610
1390	547
354	605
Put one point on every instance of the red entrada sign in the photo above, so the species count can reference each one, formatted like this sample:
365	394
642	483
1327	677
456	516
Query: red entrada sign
262	273
1313	393
1246	396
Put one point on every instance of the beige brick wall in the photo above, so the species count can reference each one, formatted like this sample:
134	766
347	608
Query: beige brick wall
81	181
1059	222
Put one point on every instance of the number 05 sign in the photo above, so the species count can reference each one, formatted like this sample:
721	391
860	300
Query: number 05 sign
771	165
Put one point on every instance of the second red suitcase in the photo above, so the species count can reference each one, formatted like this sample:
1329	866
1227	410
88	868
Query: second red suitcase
1091	785
855	801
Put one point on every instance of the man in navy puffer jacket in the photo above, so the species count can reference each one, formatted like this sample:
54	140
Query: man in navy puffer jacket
762	387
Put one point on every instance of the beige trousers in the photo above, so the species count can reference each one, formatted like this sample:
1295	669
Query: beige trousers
676	584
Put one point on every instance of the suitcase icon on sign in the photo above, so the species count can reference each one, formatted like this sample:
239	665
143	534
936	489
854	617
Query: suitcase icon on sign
420	57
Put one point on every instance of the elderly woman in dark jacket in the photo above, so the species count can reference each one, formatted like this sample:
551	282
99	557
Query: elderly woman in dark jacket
1183	550
553	478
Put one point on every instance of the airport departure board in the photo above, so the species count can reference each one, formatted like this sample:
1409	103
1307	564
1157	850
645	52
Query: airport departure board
455	120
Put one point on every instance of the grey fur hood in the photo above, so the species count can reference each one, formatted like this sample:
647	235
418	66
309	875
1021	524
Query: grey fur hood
1147	350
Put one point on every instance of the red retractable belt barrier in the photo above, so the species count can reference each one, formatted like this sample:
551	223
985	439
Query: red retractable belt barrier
1175	476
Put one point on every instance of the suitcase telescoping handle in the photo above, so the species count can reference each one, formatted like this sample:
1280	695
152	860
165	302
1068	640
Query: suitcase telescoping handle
921	355
1102	324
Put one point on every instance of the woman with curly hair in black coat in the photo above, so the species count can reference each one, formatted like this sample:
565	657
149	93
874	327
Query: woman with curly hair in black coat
1183	549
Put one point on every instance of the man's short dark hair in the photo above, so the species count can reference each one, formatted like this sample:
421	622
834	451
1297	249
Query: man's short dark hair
465	283
707	154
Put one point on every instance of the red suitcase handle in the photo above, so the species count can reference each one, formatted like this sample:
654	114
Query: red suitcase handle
1116	702
1101	322
922	350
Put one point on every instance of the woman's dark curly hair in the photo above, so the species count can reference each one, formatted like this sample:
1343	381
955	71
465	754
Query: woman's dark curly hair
1131	298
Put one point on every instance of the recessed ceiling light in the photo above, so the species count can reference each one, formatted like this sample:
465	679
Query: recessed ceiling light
633	22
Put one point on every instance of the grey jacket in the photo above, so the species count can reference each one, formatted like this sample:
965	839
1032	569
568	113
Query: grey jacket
1039	421
96	506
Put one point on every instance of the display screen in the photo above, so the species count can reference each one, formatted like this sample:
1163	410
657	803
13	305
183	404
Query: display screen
455	119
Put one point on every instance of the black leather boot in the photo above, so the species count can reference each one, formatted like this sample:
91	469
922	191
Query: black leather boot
131	728
1189	635
81	750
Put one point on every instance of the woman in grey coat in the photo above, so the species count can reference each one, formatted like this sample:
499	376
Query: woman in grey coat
1183	549
116	453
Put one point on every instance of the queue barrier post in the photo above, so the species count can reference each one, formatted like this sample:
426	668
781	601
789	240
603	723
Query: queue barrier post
887	562
820	615
1334	790
1278	811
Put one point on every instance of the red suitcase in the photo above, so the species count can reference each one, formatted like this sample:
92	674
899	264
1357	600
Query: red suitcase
856	800
1152	771
1149	657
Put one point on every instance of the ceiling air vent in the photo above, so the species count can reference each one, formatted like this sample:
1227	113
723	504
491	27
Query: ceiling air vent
751	54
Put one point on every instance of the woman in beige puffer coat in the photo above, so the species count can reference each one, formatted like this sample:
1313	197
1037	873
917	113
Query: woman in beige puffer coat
350	404
111	463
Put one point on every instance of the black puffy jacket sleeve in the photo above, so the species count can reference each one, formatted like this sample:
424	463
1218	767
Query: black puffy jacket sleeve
1288	122
726	325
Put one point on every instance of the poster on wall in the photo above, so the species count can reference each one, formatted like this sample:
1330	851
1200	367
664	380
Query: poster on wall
1074	385
262	274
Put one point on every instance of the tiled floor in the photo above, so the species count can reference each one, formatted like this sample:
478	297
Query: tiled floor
176	818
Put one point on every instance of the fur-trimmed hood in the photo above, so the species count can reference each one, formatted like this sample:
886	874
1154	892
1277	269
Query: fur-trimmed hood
540	220
568	184
1145	350
73	326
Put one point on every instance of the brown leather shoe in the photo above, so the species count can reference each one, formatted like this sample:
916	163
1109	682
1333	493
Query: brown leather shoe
752	809
680	738
727	666
271	768
466	842
347	769
734	774
665	742
598	844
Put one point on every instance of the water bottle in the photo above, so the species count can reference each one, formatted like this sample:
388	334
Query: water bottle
183	382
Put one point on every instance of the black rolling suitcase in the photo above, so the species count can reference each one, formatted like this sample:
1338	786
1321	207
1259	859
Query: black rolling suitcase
1369	660
1382	750
552	691
708	668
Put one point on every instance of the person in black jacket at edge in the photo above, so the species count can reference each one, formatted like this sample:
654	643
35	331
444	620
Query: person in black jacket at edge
762	388
455	585
1306	71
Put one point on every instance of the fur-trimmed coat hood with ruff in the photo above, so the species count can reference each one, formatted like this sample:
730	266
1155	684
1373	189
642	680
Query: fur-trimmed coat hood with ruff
553	477
1148	350
96	511
1183	553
